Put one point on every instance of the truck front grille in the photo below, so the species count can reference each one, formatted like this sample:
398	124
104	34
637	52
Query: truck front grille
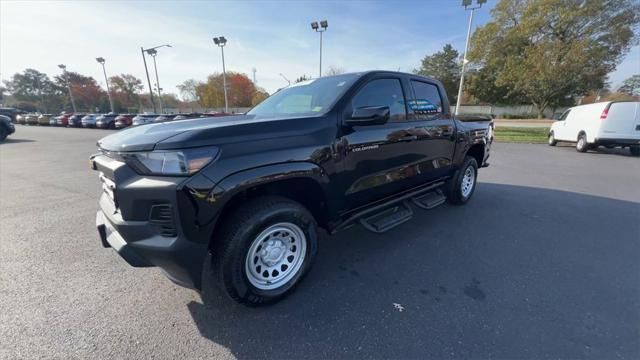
162	217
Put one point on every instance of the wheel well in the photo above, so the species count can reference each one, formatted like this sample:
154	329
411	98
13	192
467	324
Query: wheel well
305	191
477	152
581	132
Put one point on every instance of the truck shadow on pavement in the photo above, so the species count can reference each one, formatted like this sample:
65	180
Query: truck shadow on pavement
518	272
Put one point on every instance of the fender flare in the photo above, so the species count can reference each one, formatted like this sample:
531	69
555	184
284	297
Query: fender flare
245	179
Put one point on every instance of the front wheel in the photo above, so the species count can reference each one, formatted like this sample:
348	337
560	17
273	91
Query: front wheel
460	188
265	249
552	139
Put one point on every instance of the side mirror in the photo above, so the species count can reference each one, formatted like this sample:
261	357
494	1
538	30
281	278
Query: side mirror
370	115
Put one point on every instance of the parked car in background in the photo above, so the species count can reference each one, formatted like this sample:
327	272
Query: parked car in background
53	120
44	119
63	118
32	119
142	119
106	121
21	119
164	118
6	127
124	120
610	124
89	121
75	120
187	116
11	113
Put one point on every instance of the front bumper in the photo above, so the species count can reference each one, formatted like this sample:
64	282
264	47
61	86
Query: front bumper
155	221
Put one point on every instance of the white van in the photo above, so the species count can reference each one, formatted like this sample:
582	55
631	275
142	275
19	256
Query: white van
610	124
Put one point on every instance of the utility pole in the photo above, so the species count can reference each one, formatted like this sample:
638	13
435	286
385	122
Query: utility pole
102	61
66	76
320	28
221	42
146	70
467	6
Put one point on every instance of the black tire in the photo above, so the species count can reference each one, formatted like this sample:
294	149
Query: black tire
552	139
582	145
454	188
3	134
635	150
241	229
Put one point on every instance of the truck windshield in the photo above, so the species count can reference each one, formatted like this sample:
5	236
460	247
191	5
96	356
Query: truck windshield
310	97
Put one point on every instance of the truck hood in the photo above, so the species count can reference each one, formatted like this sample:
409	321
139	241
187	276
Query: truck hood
189	133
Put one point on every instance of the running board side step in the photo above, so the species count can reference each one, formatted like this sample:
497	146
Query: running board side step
387	219
429	200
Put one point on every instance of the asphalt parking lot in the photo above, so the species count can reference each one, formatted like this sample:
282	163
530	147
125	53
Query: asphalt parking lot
542	263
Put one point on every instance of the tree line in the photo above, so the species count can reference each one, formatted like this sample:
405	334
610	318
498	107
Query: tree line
542	52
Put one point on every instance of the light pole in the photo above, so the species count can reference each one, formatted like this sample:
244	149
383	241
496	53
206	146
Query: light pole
66	76
221	41
467	6
285	79
149	51
321	28
101	61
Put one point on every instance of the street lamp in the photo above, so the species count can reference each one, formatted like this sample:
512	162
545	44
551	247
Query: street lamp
285	79
467	6
221	41
153	49
101	61
66	77
320	28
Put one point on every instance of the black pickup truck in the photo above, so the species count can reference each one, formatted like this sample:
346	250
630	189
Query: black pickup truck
252	190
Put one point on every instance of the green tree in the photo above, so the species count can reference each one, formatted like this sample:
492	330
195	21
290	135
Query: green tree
188	90
34	90
125	90
302	78
547	51
443	66
631	86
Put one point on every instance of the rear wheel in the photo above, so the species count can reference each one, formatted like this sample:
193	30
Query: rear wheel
265	249
582	145
552	139
635	150
460	188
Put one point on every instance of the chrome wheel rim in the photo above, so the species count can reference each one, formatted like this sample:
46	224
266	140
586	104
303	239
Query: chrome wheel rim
275	256
581	142
468	181
551	138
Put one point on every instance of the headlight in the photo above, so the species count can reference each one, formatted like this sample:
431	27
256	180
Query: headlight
176	163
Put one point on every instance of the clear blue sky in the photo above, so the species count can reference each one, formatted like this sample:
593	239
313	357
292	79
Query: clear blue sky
272	36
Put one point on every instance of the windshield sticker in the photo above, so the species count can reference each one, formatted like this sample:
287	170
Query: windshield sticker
341	83
317	109
423	106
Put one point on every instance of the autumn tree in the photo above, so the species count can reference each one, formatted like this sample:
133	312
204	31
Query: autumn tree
87	94
125	91
259	96
443	65
240	90
547	51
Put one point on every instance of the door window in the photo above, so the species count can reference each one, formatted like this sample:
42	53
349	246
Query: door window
427	102
383	92
564	116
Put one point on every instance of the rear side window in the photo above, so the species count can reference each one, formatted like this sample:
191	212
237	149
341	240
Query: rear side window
564	116
427	101
383	92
